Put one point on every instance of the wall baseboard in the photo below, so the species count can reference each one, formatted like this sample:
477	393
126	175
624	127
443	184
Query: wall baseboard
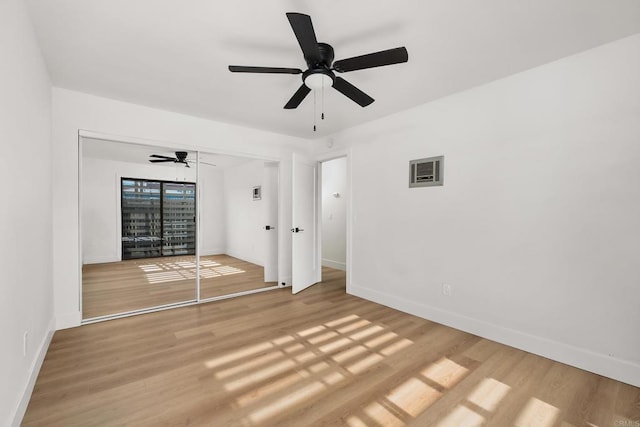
334	264
244	258
33	375
100	259
286	280
611	367
213	251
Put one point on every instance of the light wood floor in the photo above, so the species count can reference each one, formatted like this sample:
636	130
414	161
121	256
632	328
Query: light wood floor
136	284
321	357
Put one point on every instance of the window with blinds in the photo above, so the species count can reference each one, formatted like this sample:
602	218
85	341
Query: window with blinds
158	218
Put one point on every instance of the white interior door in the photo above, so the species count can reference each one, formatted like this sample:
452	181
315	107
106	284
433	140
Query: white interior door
305	262
270	199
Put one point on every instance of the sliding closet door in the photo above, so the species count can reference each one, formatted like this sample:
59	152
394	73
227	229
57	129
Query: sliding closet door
138	228
236	221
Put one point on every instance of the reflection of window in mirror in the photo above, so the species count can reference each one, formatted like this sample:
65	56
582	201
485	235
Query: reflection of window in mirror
256	193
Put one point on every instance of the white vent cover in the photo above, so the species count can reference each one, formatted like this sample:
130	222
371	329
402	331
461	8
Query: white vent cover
426	172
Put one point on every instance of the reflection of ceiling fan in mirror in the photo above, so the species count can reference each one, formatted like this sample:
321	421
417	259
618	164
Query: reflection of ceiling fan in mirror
181	157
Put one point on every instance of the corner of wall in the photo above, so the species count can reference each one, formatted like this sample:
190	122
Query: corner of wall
68	320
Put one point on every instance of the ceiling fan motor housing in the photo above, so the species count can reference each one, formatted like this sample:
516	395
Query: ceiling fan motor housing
319	74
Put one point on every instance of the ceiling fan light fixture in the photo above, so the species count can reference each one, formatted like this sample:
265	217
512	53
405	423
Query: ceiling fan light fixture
318	80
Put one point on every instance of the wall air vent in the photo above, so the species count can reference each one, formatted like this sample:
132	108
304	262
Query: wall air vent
426	172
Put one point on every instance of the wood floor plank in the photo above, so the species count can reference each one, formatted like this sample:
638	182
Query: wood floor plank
320	357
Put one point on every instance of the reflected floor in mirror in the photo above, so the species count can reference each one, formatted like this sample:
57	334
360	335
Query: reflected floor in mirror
137	284
321	357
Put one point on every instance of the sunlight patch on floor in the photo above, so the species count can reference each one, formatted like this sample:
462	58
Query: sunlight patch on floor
268	389
170	276
382	415
239	354
413	396
261	375
345	319
445	372
353	326
286	402
365	333
461	416
335	345
537	414
363	364
488	394
208	263
311	331
324	337
185	270
396	347
251	364
321	357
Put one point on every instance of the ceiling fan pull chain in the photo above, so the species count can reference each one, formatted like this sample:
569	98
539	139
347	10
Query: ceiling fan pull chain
314	110
322	114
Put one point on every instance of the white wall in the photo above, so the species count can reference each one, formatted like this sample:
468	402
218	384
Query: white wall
245	217
536	228
25	213
74	111
334	213
213	220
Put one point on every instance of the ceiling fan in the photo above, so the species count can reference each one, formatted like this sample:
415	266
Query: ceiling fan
319	59
181	157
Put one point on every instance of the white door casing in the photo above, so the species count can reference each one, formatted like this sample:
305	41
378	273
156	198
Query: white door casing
270	199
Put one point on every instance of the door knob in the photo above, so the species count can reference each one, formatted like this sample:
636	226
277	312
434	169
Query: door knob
296	230
269	227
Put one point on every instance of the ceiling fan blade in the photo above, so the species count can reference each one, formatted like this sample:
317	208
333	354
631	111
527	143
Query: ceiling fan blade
158	156
352	92
371	60
201	162
264	70
297	97
303	29
162	160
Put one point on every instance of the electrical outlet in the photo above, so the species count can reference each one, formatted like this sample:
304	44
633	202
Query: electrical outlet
446	290
24	343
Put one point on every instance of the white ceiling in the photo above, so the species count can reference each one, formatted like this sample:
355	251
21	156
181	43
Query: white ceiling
174	55
139	154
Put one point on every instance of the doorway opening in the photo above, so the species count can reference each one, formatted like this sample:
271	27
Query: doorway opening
333	206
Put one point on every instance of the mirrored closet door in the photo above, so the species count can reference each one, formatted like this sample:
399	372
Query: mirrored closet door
138	227
238	225
148	210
